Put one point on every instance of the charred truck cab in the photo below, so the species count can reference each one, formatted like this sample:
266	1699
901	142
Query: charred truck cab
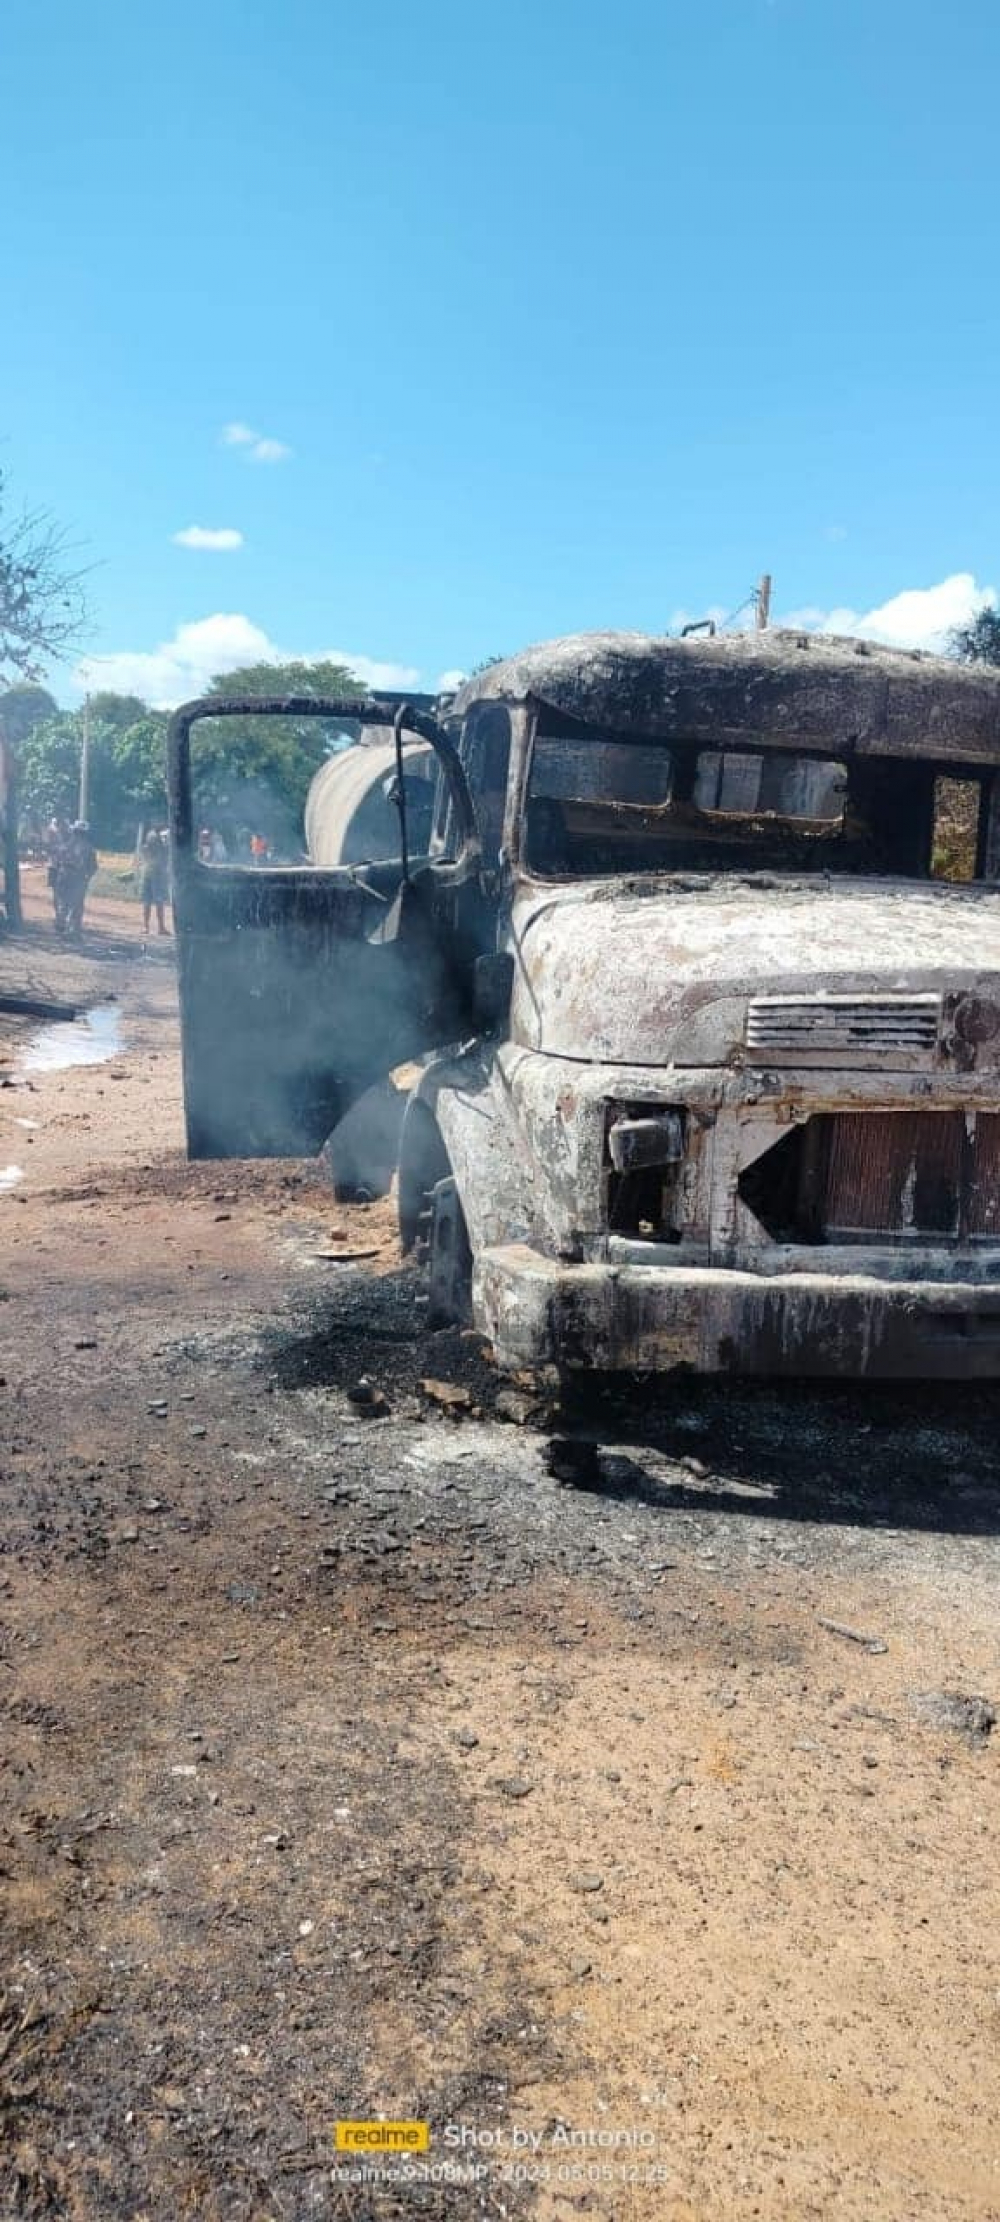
706	942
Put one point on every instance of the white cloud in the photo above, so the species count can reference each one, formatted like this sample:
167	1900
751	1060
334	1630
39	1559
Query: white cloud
213	537
918	617
372	674
180	669
255	446
450	680
269	451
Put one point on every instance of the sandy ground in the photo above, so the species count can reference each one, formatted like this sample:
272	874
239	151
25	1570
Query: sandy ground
355	1767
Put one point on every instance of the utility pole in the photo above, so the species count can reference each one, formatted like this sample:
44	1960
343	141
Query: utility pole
764	602
83	809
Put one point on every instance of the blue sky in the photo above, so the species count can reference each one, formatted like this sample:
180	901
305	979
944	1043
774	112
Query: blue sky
568	314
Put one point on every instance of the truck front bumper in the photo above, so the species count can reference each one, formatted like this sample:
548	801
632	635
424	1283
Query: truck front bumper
538	1311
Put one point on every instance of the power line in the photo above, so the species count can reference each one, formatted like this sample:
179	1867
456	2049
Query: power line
758	599
748	600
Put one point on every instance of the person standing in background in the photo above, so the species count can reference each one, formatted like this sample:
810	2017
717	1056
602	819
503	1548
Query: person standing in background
154	881
56	844
79	863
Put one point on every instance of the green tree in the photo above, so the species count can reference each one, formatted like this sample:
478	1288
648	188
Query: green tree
139	754
49	759
254	773
127	770
251	774
978	642
118	711
23	707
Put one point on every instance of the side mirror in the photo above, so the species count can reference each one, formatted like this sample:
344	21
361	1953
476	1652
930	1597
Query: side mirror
492	985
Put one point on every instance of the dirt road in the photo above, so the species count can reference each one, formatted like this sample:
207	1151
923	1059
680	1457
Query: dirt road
354	1765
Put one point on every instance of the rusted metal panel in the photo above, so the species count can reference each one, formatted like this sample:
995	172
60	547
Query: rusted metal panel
540	1311
526	1135
781	689
291	1007
848	1029
983	1197
668	973
299	987
891	1172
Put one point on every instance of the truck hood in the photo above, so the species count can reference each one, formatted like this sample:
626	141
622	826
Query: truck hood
658	972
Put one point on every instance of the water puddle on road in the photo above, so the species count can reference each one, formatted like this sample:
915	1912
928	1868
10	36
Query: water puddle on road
9	1177
91	1039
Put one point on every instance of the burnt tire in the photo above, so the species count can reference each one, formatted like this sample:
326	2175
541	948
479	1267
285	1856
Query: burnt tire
431	1221
423	1160
449	1259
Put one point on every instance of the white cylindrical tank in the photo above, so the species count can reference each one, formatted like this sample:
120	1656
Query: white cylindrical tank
351	817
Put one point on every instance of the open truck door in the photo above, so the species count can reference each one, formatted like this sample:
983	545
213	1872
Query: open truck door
300	987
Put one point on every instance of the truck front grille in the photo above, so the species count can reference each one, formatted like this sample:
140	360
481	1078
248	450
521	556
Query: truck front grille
905	1176
806	1029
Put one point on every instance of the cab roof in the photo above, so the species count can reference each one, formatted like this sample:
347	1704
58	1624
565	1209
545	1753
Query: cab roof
817	693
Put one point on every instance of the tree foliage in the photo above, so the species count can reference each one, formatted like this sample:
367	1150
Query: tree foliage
979	640
127	768
42	605
118	711
139	754
22	708
286	737
49	769
251	774
255	772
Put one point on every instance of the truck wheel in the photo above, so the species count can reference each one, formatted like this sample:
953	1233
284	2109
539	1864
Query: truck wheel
431	1220
449	1259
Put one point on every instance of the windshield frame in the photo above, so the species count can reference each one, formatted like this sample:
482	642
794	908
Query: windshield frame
544	722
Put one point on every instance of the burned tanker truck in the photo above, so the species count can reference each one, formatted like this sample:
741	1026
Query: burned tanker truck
699	950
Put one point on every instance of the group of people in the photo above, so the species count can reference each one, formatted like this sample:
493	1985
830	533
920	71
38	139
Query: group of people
212	848
72	864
